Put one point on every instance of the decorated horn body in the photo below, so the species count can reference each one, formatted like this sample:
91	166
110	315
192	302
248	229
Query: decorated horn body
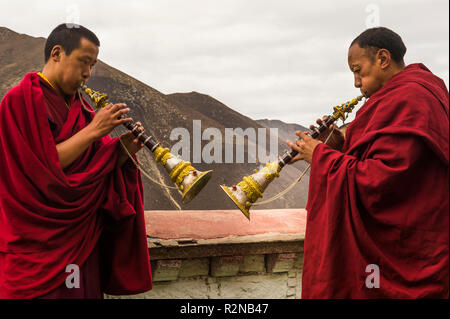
188	180
252	187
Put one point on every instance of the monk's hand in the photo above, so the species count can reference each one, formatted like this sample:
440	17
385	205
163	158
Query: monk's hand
131	142
107	118
304	146
336	140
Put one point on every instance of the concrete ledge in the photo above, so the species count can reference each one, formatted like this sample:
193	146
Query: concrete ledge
229	247
217	254
210	224
196	234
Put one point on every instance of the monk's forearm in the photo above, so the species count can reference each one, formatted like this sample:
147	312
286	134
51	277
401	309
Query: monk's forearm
123	156
70	149
132	145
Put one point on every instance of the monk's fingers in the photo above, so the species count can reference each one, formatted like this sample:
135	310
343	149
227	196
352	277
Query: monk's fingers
319	121
290	144
116	107
123	121
300	144
299	132
138	143
294	146
303	135
299	155
332	128
140	127
120	112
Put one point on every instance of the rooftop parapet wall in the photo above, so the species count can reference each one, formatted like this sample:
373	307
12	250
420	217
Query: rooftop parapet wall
221	254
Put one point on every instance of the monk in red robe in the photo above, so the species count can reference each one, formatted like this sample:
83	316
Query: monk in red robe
378	203
71	203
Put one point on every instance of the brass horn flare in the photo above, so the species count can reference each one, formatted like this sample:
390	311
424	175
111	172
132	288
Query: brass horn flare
196	186
243	209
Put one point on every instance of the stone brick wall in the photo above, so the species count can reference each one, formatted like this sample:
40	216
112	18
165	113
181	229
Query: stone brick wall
262	276
263	266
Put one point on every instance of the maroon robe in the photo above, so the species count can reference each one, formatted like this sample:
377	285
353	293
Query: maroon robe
89	273
383	200
90	214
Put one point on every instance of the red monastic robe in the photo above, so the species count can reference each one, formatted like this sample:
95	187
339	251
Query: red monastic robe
51	218
383	200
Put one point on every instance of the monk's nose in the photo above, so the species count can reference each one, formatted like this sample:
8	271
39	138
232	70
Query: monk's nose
357	82
86	74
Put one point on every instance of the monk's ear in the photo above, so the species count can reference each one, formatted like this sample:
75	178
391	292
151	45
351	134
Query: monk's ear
55	54
384	58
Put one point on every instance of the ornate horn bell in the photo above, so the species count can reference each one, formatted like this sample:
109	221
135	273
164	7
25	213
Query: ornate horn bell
188	180
252	187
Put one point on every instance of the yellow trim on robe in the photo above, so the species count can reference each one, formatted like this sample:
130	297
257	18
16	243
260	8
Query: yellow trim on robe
43	76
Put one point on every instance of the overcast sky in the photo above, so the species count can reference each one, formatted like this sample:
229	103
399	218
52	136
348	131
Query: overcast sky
276	59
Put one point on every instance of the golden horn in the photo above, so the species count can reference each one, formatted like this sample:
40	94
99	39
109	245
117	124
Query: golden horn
188	180
252	187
